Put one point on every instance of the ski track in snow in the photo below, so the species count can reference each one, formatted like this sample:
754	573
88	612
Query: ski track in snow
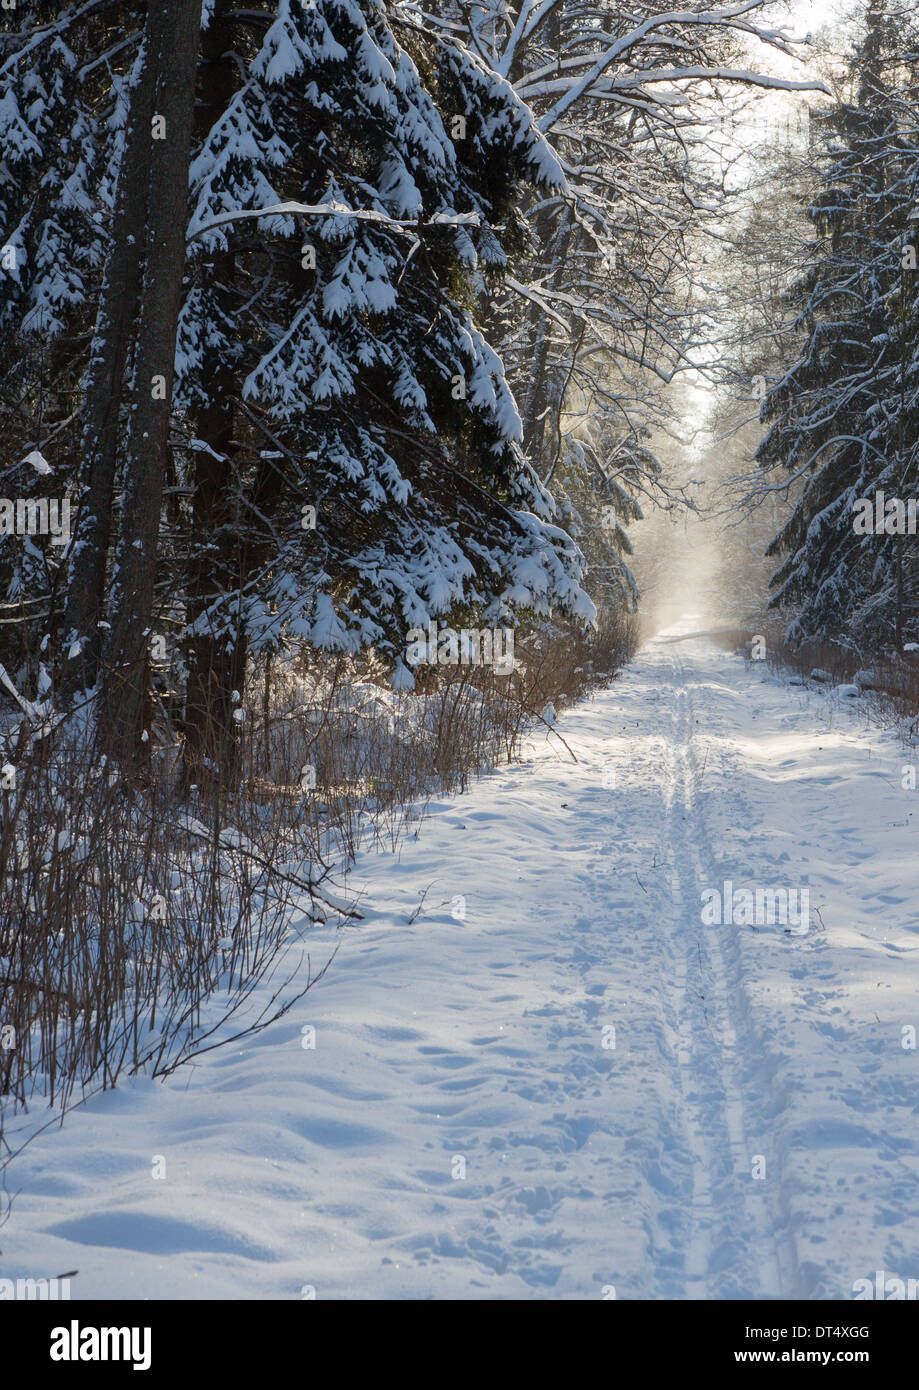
587	1168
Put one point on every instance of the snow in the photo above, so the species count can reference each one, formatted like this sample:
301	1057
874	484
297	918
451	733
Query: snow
332	208
557	1024
38	461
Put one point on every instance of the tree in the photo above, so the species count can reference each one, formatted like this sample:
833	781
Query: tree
844	421
112	344
62	117
169	77
348	200
602	312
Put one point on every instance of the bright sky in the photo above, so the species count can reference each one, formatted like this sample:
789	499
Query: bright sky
769	113
811	15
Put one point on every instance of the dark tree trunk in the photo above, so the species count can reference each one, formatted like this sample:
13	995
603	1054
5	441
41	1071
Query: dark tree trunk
217	663
173	31
111	347
539	397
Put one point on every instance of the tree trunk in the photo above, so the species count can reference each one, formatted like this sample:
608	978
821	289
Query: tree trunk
216	663
173	31
538	398
214	670
111	345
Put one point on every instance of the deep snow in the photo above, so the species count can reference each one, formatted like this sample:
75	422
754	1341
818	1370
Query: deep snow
483	1045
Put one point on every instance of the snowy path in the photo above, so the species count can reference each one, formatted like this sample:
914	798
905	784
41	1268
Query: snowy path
483	1046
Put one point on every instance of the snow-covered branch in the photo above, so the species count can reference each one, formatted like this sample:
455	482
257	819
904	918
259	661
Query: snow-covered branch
333	209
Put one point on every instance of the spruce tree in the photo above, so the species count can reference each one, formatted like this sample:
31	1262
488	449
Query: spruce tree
844	421
360	442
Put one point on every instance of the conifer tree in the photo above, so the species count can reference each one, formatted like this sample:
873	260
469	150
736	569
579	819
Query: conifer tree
844	420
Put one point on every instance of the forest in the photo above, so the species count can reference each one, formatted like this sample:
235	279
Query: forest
383	382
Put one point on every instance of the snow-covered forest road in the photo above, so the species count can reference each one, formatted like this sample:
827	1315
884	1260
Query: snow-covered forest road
579	1086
